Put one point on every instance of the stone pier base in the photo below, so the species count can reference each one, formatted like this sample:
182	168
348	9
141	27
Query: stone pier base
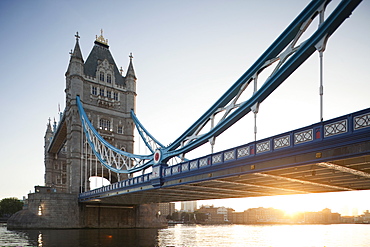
121	216
47	210
62	211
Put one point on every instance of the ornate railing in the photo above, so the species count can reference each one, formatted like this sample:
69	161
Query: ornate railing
335	129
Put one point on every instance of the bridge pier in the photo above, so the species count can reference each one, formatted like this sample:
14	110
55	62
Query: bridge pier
51	210
121	216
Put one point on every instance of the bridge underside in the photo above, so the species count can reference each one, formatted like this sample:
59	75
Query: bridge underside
326	170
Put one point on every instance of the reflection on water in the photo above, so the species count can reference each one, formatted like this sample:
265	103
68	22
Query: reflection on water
339	235
39	240
79	237
195	235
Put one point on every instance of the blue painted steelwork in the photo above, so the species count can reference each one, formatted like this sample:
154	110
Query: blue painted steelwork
190	139
342	12
148	139
91	133
341	131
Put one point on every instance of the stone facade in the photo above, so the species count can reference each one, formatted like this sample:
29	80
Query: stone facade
107	97
47	210
216	215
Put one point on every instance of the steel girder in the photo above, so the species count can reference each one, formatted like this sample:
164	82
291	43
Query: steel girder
289	57
284	51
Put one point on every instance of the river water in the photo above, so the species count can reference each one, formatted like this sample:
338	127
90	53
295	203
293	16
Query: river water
338	235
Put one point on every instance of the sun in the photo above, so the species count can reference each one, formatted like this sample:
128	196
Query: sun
293	204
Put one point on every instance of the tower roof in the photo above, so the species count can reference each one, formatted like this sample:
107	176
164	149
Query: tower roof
77	51
48	128
100	52
130	70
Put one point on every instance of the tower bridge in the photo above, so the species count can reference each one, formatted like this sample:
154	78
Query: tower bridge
95	137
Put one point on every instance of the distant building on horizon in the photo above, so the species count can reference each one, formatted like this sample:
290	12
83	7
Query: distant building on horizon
166	208
271	215
189	206
364	218
325	216
221	215
216	215
263	215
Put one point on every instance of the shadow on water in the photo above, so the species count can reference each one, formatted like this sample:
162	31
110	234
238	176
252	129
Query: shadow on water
92	237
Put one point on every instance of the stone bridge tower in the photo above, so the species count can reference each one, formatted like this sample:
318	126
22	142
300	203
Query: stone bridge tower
108	98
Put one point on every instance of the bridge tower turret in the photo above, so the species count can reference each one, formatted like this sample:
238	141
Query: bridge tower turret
48	160
108	98
74	87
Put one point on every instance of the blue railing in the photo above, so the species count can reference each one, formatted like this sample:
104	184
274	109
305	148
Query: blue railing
357	122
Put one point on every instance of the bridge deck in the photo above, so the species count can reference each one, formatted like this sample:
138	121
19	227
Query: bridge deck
325	157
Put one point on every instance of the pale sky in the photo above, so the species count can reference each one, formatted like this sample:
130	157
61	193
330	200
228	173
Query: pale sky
186	55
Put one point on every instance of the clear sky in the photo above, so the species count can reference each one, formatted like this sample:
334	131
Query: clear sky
186	55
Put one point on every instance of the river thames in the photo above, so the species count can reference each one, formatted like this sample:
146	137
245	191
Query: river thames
336	235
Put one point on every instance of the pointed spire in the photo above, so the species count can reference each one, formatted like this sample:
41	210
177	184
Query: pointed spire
130	70
55	125
48	134
48	127
77	51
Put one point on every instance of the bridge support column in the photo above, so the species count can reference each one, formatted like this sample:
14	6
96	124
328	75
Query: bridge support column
47	209
121	216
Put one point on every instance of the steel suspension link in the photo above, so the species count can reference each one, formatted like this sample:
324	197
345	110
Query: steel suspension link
109	156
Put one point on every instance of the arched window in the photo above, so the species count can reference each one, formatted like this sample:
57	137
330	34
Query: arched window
101	76
104	124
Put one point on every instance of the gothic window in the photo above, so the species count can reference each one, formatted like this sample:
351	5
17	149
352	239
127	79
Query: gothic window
94	91
104	124
109	78
101	93
115	96
101	76
120	130
109	94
